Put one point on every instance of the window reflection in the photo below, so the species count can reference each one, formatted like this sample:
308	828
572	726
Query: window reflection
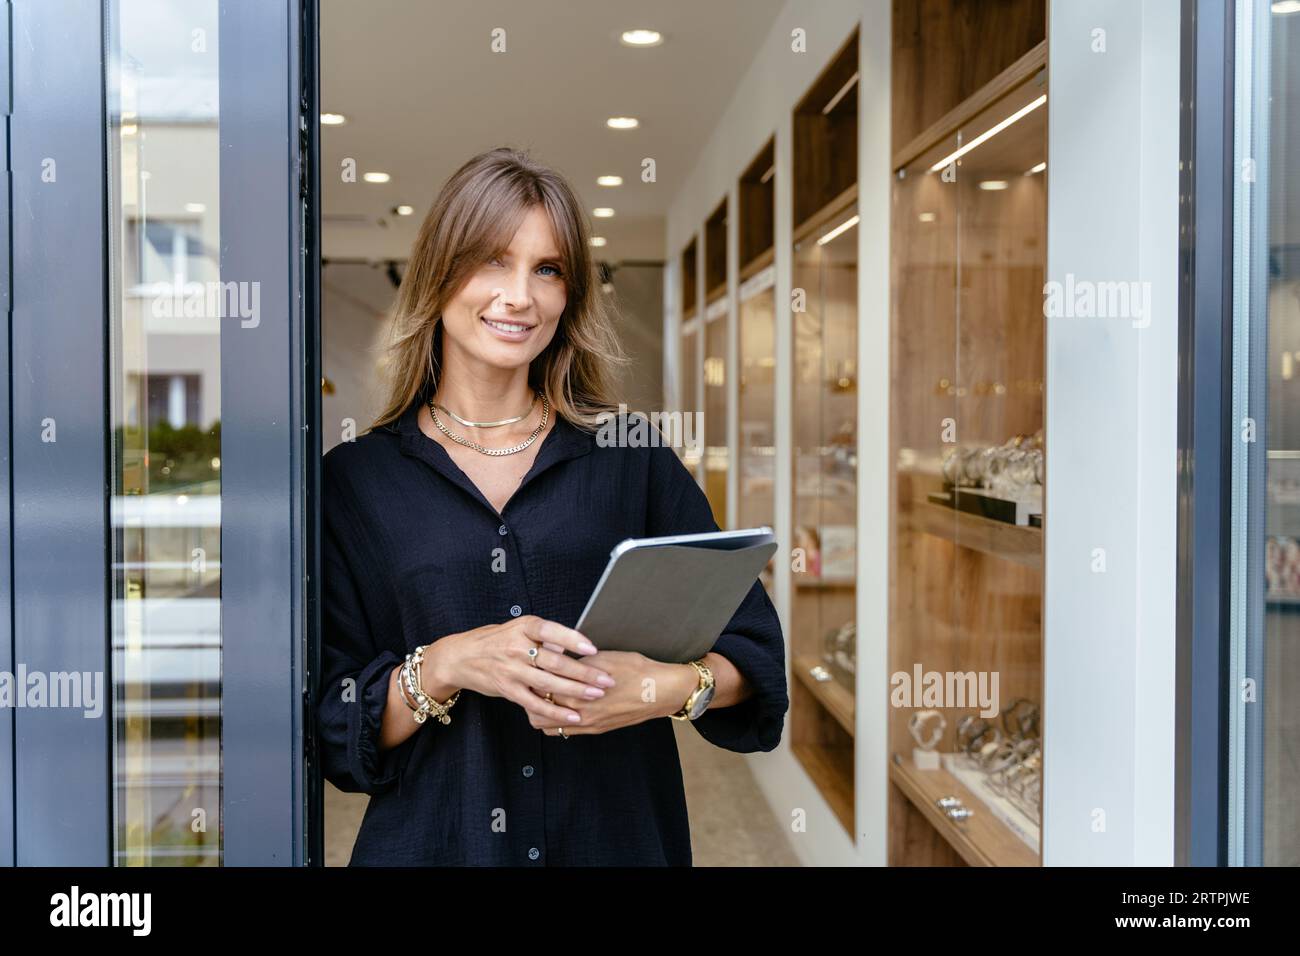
165	469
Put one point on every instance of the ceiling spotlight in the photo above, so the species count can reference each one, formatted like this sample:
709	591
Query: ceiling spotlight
609	180
642	38
603	212
926	217
404	210
1035	169
622	122
332	119
993	185
598	241
376	177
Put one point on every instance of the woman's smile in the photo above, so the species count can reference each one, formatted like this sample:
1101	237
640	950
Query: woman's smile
511	330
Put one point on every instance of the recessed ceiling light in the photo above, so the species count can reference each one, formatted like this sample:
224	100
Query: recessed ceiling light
1035	169
926	217
129	129
376	177
404	210
609	180
603	212
642	37
332	119
622	122
195	207
993	185
598	241
1286	6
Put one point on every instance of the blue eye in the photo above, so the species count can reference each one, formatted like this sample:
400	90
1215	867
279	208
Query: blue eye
555	269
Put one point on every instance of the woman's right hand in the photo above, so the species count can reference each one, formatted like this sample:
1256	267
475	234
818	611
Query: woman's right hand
493	660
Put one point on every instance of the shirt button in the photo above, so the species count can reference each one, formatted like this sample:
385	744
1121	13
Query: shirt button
502	531
533	853
528	770
515	610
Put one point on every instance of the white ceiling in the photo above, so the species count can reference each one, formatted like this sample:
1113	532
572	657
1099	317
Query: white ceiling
423	92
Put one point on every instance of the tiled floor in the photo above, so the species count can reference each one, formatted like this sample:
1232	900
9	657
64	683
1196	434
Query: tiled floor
731	823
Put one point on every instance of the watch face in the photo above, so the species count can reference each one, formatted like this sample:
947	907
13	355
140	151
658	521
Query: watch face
702	702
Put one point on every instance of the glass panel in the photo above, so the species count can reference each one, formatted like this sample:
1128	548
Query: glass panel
165	476
970	218
1264	681
690	377
825	449
715	416
757	448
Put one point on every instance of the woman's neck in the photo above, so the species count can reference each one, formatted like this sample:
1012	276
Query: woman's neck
482	398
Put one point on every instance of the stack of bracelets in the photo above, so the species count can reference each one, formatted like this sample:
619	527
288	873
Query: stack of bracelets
1013	760
410	686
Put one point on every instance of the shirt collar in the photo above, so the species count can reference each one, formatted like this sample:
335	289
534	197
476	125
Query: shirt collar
563	442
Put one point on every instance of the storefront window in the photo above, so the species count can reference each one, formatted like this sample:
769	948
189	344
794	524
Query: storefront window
165	461
1264	660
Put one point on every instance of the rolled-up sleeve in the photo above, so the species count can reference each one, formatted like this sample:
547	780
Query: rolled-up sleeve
752	640
354	670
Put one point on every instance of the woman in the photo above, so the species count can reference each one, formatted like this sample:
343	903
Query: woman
467	528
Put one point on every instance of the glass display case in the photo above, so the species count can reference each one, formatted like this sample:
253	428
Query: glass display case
756	453
969	257
716	451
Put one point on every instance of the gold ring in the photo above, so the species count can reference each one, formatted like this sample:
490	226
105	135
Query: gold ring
549	698
560	731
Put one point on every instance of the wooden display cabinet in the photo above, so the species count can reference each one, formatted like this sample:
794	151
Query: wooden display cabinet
716	450
756	346
689	364
824	312
969	257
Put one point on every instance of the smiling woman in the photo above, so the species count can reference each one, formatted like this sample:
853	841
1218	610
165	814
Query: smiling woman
498	322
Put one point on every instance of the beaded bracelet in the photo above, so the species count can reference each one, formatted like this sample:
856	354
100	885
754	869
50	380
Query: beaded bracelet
414	685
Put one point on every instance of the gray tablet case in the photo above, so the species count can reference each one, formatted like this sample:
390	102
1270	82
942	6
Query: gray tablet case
670	598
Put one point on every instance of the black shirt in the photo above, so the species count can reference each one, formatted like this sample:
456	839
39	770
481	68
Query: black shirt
409	547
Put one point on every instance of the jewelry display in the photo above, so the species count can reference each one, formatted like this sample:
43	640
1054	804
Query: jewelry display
1003	482
1009	758
926	728
840	651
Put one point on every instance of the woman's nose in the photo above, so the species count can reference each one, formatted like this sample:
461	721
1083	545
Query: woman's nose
513	292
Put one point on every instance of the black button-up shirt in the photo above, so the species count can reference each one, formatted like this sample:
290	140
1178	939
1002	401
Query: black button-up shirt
413	551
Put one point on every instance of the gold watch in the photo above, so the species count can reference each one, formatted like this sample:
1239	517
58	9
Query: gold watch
701	697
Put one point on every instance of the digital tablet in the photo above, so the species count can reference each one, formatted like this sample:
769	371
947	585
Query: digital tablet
670	598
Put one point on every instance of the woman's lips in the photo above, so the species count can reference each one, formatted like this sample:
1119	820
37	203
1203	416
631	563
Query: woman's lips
509	331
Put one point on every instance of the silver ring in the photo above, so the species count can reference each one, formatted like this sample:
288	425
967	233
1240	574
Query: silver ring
560	731
532	654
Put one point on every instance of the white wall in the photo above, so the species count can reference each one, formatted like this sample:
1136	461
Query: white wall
1112	416
762	106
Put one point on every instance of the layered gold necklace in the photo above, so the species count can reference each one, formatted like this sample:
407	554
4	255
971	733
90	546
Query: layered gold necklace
468	443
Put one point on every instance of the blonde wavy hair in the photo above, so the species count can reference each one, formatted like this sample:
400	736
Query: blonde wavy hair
474	219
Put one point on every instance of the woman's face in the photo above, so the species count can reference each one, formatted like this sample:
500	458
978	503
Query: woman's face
506	314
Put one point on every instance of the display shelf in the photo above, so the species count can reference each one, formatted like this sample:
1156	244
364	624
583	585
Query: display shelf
982	839
831	694
1018	543
717	454
715	253
756	195
968	252
824	395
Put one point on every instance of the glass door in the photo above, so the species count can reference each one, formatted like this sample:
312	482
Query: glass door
171	347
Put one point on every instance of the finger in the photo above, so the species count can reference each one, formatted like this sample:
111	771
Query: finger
545	711
544	682
542	630
565	666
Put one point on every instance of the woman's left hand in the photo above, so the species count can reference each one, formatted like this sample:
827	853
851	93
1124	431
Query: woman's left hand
643	689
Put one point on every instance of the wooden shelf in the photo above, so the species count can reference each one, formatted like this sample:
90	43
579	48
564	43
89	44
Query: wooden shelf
980	841
1018	543
831	584
831	694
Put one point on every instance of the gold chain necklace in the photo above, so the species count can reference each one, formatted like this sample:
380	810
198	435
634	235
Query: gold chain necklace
546	409
504	421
